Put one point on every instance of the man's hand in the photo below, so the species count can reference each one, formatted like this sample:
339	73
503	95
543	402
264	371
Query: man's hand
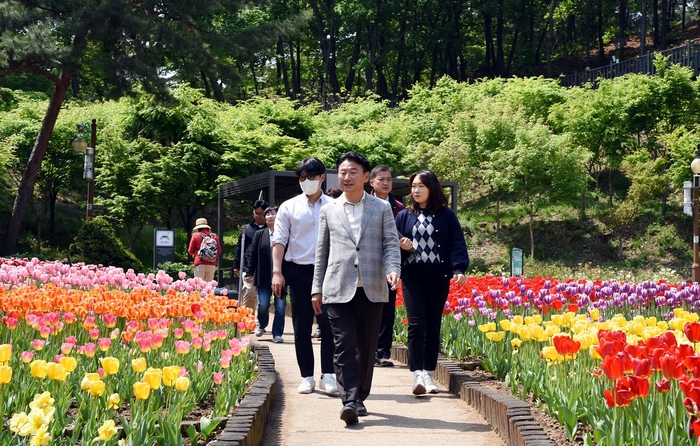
393	280
277	283
460	279
316	300
405	243
248	279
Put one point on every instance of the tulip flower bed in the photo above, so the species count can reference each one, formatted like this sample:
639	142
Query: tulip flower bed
619	358
93	355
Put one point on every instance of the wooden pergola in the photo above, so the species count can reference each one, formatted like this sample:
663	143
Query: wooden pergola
279	185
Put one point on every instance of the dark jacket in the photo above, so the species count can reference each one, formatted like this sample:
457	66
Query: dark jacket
396	205
249	231
259	259
448	236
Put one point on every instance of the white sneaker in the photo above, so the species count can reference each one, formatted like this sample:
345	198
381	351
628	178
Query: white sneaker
259	331
277	339
328	385
430	385
418	382
307	385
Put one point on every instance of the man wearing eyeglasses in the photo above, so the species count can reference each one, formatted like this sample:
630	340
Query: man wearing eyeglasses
293	256
382	184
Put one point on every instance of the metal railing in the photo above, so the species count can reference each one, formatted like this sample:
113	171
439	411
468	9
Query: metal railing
687	55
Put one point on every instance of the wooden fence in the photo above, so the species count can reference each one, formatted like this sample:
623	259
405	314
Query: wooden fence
687	56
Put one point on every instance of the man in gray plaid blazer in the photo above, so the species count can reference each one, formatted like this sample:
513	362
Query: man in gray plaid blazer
357	253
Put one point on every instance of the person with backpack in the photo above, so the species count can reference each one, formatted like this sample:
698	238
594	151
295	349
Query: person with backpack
205	248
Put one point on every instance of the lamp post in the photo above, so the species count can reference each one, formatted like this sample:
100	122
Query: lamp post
695	167
80	145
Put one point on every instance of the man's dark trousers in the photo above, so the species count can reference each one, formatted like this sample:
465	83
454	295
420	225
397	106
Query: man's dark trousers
386	328
355	327
299	278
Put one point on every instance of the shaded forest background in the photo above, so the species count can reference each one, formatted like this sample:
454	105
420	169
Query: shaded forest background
215	92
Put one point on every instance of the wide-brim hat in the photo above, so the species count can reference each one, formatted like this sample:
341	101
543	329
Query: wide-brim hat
201	223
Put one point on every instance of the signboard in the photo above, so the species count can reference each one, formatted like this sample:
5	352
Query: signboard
163	246
516	262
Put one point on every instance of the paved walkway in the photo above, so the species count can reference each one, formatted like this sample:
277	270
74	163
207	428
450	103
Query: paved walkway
395	415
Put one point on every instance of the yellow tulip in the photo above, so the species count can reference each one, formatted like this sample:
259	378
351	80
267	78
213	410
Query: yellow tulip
138	364
182	383
558	319
113	401
516	343
484	328
537	319
69	363
107	430
5	352
152	377
550	354
87	379
651	321
170	374
141	390
97	388
110	365
595	314
594	353
17	421
663	325
5	374
41	437
505	324
39	368
56	371
496	336
518	320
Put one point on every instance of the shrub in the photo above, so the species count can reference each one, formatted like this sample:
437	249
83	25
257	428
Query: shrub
173	269
97	243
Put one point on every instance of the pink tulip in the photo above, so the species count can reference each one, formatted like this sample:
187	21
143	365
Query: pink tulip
90	349
225	363
222	334
188	325
181	275
206	346
66	348
94	334
218	378
72	340
12	323
38	344
110	320
89	322
178	333
182	347
104	343
241	325
197	343
27	357
114	334
144	344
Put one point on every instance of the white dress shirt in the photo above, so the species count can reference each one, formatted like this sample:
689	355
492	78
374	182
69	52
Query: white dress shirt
296	227
354	213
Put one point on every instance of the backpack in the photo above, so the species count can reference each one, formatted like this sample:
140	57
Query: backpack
209	248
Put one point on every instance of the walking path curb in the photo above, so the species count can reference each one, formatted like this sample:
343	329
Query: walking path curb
246	426
510	417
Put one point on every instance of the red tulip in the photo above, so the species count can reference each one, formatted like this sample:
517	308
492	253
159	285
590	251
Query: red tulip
642	367
663	385
692	331
691	389
671	367
613	367
565	345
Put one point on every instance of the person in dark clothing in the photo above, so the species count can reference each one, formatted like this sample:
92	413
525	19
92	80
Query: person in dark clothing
249	293
259	270
382	183
433	251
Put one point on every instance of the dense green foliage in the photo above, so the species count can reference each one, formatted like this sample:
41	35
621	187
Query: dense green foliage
527	154
95	243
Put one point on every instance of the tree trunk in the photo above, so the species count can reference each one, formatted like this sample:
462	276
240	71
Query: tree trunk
601	45
282	64
500	58
582	208
350	80
664	23
643	31
685	3
498	217
26	185
655	19
52	212
622	23
488	59
218	94
292	61
205	83
588	34
552	5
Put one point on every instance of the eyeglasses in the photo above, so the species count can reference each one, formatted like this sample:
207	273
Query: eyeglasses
309	177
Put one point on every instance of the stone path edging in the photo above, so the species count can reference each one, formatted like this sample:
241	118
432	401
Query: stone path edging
246	426
509	416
